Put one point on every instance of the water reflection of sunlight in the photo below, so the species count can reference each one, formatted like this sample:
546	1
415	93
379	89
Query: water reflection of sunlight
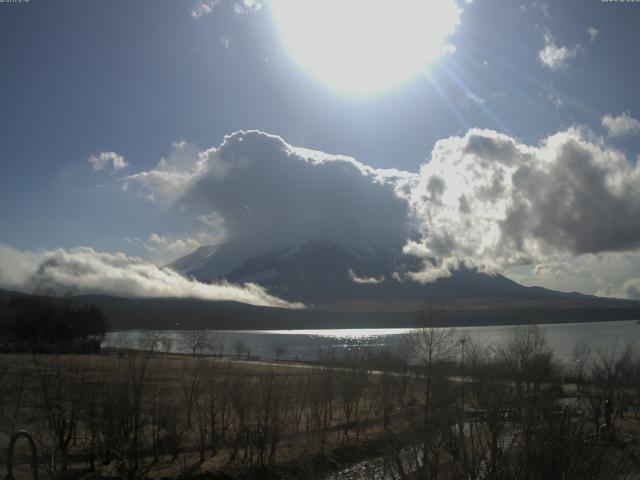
354	333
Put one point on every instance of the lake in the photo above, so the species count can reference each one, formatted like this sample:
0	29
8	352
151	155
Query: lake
307	344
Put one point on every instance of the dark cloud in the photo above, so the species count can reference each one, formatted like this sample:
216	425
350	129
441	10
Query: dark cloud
269	194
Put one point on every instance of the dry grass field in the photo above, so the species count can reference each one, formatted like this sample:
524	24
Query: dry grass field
158	415
507	412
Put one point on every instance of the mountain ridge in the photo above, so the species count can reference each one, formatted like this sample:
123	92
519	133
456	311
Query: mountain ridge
323	272
324	276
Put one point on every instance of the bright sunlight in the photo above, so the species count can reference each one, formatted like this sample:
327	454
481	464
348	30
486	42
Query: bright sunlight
364	47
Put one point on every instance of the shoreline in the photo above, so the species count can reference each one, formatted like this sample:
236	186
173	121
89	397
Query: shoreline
391	329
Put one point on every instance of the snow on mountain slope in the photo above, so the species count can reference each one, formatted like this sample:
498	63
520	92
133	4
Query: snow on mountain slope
323	272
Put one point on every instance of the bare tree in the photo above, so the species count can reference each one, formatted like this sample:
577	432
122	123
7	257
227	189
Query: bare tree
216	343
195	341
351	385
13	378
581	353
279	352
166	342
430	346
432	349
215	405
59	405
240	348
149	340
612	375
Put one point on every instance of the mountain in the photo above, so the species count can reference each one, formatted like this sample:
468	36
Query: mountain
324	273
348	288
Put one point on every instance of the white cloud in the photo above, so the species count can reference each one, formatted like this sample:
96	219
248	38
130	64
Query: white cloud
555	100
364	280
593	34
554	57
588	273
629	290
204	7
225	41
84	271
546	10
488	201
621	125
542	5
242	7
474	98
175	247
102	160
212	219
484	200
166	248
167	181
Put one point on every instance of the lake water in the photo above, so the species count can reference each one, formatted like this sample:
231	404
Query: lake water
307	344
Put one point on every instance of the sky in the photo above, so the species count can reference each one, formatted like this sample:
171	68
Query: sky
133	132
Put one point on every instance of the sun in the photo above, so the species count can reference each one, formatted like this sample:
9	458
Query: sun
361	48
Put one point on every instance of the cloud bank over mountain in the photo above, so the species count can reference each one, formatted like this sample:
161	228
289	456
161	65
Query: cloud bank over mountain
491	202
265	193
483	199
85	271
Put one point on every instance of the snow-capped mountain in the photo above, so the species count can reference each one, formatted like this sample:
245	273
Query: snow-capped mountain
323	272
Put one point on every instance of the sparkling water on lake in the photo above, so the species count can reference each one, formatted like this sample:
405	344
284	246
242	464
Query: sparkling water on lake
307	344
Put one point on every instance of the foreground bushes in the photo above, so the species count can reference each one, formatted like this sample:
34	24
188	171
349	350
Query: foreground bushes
439	407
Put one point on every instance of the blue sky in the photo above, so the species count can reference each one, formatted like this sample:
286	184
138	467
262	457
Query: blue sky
134	78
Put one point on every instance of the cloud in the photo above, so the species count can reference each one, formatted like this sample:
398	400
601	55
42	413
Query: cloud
488	201
597	274
555	100
102	160
484	200
166	248
364	280
204	7
554	57
543	6
84	271
629	290
474	98
242	7
173	173
225	41
174	247
621	125
593	34
546	10
268	194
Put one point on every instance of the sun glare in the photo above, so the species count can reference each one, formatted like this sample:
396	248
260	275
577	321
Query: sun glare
364	47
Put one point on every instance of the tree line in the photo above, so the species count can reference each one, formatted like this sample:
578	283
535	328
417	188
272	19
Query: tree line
43	324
